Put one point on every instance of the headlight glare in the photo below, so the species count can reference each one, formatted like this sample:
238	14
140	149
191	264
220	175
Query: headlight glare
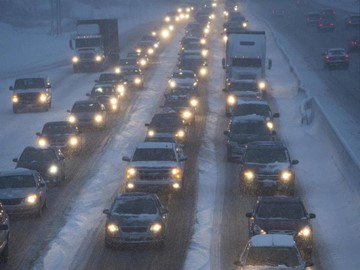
98	118
72	119
31	199
305	232
73	141
249	175
15	99
286	176
231	100
53	169
156	227
112	228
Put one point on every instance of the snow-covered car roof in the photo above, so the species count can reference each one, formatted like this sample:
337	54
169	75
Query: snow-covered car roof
272	240
158	145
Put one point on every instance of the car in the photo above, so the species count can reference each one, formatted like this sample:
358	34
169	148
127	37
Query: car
60	135
31	93
354	44
140	56
194	29
153	39
189	39
49	162
107	95
243	130
88	114
127	62
271	251
267	166
328	13
183	79
253	106
182	105
194	47
313	18
168	123
115	78
134	76
283	214
326	25
22	191
146	47
4	235
336	57
352	21
194	62
136	218
155	167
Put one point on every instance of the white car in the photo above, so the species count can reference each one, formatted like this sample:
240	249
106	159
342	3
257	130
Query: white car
183	79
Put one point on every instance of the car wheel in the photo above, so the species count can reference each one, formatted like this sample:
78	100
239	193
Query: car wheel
4	256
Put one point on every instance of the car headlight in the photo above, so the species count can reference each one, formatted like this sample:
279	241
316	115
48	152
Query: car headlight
72	119
137	80
150	51
31	199
75	59
270	125
138	50
53	169
143	62
156	227
42	142
231	100
42	98
130	172
151	133
203	71
258	230
117	70
225	38
186	115
249	175
73	141
98	58
113	101
156	45
244	24
180	134
167	19
165	33
203	41
15	99
286	176
206	30
98	118
112	228
120	89
176	172
171	27
262	85
194	102
130	185
172	84
305	232
204	53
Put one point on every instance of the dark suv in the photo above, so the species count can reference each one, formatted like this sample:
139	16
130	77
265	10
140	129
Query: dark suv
49	162
267	166
285	215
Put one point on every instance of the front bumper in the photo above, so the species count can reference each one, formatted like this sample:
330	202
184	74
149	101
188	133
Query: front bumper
155	186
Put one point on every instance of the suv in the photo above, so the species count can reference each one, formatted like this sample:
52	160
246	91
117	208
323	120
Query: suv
107	95
22	191
352	21
243	130
271	251
155	166
115	78
183	79
336	57
60	135
134	77
30	93
88	113
253	106
4	235
283	214
136	218
49	162
267	166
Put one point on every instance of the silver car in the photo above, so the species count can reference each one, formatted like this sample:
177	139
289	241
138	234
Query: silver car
135	218
22	191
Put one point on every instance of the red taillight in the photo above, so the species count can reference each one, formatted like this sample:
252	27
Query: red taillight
331	24
353	42
321	24
350	22
327	57
346	55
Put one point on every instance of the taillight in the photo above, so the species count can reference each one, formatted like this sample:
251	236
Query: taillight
331	24
327	57
321	24
353	42
346	55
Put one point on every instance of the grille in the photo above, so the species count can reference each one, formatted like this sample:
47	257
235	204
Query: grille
262	177
28	97
155	174
86	56
134	229
11	201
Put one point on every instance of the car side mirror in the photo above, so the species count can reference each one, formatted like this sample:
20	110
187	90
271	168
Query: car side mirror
147	124
38	134
15	160
276	115
226	132
249	214
269	64
4	227
11	88
294	162
68	111
106	211
164	211
225	90
311	215
96	80
126	158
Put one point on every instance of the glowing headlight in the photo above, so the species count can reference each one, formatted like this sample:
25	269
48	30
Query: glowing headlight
156	228
176	172
153	33
98	118
244	24
194	102
138	50
204	53
165	33
53	169
120	89
177	18
187	16
171	27
42	142
180	134
258	230
176	185
31	199
131	172
186	115
262	85
117	70
130	185
270	125
150	51
15	99
231	100
112	228
156	45
305	232
143	62
73	141
179	10
167	19
286	176
98	58
137	80
249	175
151	133
225	38
203	71
42	98
113	101
206	31
212	17
214	4
72	119
172	83
236	8
225	13
75	59
203	41
182	16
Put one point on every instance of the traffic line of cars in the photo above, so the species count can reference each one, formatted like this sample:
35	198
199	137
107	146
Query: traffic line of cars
280	231
23	190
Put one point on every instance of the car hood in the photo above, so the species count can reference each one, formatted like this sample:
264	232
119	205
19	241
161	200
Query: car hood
40	166
12	193
281	224
135	220
267	168
153	164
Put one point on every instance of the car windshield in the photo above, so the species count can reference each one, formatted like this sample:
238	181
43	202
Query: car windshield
244	86
192	46
52	129
273	256
86	107
135	206
257	128
29	83
247	109
281	210
183	75
154	154
265	156
29	155
17	181
246	62
109	77
102	91
130	71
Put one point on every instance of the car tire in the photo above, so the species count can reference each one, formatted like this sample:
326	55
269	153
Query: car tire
4	256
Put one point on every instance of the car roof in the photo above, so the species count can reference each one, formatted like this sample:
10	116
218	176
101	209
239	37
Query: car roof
241	101
16	171
272	240
266	145
160	145
279	198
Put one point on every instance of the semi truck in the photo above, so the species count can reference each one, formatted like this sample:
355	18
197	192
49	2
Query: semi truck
95	44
